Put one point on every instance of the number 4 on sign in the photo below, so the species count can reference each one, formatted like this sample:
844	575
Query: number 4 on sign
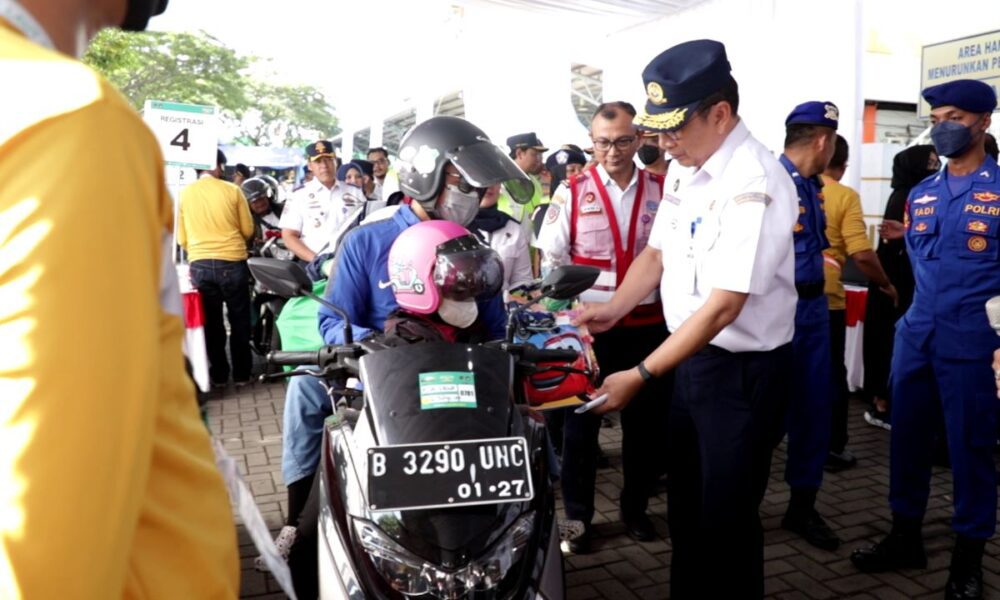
181	140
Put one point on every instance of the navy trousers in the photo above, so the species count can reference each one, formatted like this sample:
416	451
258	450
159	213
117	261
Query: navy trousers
810	411
925	387
725	421
644	422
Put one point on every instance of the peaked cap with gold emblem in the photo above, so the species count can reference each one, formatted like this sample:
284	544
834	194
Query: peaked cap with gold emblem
678	79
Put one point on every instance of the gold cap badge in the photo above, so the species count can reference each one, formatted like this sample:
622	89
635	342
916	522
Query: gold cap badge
655	93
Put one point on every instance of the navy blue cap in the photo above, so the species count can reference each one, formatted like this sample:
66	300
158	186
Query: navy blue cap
824	114
318	150
526	140
563	157
678	79
967	94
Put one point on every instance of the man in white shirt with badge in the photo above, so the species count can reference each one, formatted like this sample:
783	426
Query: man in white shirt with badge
603	218
316	210
721	253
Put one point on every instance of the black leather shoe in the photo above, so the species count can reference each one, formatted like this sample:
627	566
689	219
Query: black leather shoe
892	553
812	528
965	579
968	586
639	527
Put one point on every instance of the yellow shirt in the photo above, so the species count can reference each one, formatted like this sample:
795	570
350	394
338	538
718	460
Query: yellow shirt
214	220
845	229
108	485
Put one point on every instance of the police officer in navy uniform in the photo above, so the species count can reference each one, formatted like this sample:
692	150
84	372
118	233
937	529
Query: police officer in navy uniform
722	256
810	139
944	344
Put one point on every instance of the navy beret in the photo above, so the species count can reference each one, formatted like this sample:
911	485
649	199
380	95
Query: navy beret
678	79
824	114
967	94
317	150
526	140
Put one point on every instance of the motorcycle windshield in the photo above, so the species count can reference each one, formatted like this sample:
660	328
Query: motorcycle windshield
408	403
403	408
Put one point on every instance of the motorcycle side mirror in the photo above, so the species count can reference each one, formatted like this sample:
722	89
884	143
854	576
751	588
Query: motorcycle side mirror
289	280
568	281
283	277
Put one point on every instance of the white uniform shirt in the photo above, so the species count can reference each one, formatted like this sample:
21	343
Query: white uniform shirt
511	243
553	239
728	225
316	211
388	186
271	219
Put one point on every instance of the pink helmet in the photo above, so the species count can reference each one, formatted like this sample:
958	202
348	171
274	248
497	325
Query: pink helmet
441	259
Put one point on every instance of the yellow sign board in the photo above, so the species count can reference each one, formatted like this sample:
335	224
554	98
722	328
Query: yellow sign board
973	57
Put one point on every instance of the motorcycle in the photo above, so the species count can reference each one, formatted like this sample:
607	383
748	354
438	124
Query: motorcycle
434	481
266	305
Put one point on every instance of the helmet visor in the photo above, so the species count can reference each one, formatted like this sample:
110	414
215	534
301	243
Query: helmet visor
465	269
482	164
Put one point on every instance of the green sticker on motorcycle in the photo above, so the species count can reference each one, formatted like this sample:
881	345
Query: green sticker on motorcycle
447	389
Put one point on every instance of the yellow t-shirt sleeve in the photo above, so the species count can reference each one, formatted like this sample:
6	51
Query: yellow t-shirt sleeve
853	230
107	483
182	238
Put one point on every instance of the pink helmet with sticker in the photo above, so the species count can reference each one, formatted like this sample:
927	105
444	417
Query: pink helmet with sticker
441	259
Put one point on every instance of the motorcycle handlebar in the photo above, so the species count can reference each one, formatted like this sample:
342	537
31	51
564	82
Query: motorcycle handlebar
536	355
293	359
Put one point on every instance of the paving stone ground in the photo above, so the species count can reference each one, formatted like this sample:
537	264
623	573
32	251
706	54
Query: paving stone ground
853	502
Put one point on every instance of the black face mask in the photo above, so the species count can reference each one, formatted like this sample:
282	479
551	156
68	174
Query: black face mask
649	154
139	11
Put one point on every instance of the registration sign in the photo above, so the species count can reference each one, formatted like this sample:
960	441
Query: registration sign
188	134
446	474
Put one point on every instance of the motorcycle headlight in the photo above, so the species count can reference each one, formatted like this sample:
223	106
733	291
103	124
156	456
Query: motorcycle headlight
411	575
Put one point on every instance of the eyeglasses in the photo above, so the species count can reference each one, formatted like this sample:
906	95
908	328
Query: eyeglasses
678	134
463	186
622	143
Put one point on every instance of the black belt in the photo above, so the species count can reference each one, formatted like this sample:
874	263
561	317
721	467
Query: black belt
810	290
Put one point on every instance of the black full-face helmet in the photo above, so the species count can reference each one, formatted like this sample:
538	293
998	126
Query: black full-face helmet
429	146
139	12
258	187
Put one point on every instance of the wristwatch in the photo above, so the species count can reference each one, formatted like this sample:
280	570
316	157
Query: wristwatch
643	372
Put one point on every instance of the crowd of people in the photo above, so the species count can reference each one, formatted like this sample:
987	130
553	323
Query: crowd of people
718	315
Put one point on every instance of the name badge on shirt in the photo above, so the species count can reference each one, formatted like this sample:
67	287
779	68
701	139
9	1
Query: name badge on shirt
590	205
687	274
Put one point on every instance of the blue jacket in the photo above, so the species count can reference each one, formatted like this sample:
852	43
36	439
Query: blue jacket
810	230
359	277
954	248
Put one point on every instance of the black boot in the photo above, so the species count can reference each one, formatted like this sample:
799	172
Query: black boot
903	548
965	579
803	519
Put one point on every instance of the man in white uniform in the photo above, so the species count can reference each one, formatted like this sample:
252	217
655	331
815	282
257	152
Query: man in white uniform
317	209
722	256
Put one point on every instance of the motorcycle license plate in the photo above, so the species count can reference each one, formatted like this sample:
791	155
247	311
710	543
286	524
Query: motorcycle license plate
444	474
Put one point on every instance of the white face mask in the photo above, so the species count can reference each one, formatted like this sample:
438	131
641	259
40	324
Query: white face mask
458	314
459	207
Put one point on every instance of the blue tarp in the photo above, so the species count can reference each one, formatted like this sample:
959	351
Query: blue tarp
260	156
